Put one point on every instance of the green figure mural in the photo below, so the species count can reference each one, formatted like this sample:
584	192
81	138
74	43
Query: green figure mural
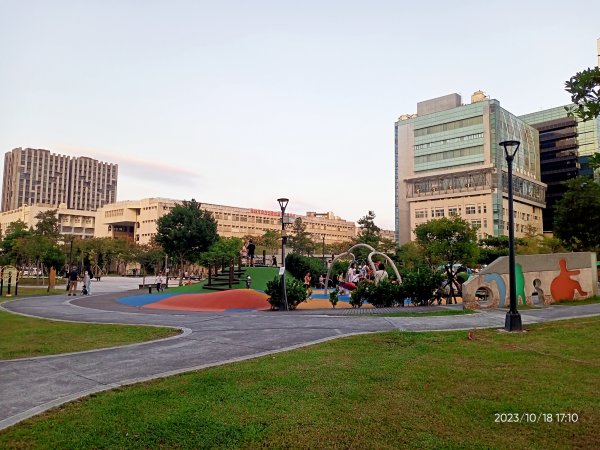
520	282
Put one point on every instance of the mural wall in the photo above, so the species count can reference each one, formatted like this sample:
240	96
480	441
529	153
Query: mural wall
540	279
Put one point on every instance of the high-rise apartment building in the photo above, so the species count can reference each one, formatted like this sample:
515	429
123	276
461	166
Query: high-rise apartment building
38	177
449	162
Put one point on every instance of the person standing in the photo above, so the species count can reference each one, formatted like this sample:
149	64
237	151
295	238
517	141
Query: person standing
87	283
251	248
307	280
73	276
380	273
159	282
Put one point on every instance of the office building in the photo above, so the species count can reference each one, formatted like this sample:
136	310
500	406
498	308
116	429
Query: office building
136	220
70	221
566	143
449	162
38	177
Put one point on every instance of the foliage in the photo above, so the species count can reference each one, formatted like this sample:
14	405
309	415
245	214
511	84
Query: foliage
419	284
491	248
270	241
15	231
584	88
334	297
447	240
361	294
386	294
295	292
47	224
223	248
577	215
340	266
301	241
298	265
410	255
150	256
186	231
534	243
369	232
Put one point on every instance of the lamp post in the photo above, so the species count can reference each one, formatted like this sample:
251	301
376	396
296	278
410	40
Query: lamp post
283	304
513	318
323	236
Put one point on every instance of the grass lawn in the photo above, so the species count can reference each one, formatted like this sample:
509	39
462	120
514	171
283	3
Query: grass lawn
22	337
260	276
388	390
446	312
585	301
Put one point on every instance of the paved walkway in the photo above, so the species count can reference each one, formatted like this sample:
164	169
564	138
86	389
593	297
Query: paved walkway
31	386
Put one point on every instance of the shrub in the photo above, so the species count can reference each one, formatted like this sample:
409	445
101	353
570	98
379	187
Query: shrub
361	294
298	265
419	284
386	294
295	292
334	297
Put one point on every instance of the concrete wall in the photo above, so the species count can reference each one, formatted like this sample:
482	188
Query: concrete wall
553	277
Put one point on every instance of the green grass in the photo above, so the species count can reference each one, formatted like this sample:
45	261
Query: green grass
585	301
388	390
446	312
22	337
260	276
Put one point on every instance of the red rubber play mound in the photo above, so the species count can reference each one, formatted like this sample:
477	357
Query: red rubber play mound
239	299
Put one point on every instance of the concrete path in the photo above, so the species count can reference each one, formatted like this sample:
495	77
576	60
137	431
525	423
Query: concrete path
31	386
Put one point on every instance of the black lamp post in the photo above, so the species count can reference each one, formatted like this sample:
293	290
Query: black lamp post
283	304
513	318
323	236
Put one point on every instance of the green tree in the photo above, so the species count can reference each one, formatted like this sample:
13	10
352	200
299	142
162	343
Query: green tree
186	232
15	231
301	241
223	248
270	240
577	215
410	256
584	88
368	233
448	240
47	224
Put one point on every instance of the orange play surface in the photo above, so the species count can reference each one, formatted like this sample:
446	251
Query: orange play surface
215	301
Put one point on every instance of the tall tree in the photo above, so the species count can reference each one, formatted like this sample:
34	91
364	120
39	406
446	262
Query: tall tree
577	215
584	88
47	224
301	241
270	240
186	231
448	241
368	232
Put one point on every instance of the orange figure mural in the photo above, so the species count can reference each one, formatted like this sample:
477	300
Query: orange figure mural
563	287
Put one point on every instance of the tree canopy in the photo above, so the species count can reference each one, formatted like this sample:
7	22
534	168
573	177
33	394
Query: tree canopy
584	88
186	231
448	240
577	215
301	241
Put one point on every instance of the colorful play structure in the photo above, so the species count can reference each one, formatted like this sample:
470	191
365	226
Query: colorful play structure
540	280
372	253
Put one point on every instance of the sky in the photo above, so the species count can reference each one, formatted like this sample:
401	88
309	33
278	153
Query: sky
239	103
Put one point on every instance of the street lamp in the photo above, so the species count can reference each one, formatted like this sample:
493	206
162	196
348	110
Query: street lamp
323	236
513	318
283	304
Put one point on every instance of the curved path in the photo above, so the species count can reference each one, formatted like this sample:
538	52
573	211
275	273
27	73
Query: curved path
31	386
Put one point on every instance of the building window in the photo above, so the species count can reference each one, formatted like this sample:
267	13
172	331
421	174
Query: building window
421	214
453	211
470	209
438	212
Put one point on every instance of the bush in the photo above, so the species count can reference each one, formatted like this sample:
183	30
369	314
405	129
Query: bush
334	297
361	294
419	284
386	294
295	292
298	265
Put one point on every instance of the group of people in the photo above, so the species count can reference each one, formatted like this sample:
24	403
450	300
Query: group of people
73	278
356	274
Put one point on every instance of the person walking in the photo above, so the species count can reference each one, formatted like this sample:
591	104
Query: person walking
251	248
87	283
73	276
307	280
159	282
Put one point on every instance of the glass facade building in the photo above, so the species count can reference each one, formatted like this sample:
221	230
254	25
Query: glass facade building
449	162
